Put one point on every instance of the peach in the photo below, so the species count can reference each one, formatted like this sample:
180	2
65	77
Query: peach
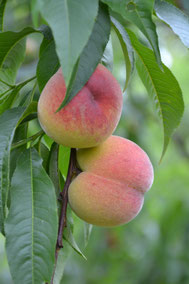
89	118
110	190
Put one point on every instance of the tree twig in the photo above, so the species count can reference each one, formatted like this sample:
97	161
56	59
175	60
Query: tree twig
72	171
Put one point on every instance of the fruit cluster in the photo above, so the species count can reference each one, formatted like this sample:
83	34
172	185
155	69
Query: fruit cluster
115	171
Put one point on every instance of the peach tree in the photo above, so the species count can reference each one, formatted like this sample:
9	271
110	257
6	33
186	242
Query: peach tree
44	176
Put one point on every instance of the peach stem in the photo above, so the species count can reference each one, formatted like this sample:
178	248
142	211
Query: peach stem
64	197
72	170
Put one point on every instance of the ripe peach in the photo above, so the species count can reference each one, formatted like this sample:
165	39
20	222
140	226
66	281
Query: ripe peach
110	190
89	118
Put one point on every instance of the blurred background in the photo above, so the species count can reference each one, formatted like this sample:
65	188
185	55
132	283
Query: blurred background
154	247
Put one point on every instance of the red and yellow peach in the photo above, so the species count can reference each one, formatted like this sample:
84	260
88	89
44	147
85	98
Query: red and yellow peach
110	190
89	118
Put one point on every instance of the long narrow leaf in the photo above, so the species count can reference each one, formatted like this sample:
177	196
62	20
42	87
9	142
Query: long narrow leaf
108	57
175	18
71	23
9	39
139	12
48	62
69	238
32	224
162	86
8	73
53	167
90	56
2	9
8	123
128	51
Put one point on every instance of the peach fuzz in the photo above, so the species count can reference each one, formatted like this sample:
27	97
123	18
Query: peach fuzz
89	118
110	190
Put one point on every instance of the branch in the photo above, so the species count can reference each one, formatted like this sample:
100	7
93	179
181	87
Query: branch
72	171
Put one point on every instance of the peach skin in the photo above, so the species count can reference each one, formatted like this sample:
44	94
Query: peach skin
89	118
110	190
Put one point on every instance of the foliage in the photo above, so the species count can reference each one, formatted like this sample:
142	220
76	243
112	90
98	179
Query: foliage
76	36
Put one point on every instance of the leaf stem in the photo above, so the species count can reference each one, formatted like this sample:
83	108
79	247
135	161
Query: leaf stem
7	84
25	82
19	85
5	92
24	141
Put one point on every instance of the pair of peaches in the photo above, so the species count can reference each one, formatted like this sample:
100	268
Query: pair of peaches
115	171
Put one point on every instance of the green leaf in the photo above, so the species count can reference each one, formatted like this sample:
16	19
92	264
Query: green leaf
31	139
161	86
71	23
35	12
32	223
31	109
108	57
28	97
44	154
90	56
63	256
6	101
128	51
11	55
48	62
139	12
20	134
10	39
47	141
87	232
8	73
9	100
2	10
53	167
175	18
69	238
64	158
11	64
8	123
